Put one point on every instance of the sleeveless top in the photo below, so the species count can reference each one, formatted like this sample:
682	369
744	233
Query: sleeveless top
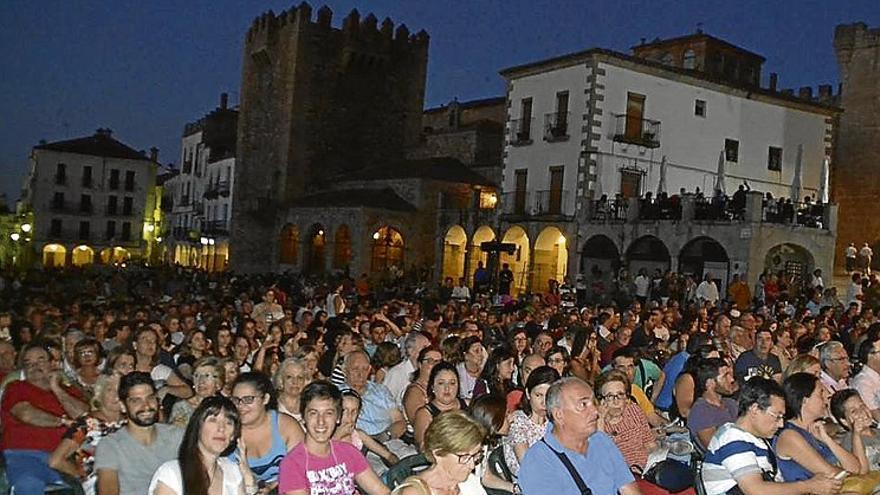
266	468
434	410
789	468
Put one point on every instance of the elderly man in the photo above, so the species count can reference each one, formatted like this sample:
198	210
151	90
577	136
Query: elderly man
35	413
835	367
573	456
397	378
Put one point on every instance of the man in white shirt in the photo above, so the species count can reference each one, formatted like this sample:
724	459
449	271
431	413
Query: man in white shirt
835	367
643	285
461	292
867	382
707	290
397	378
851	253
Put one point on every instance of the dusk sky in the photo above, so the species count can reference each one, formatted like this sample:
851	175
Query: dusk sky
144	69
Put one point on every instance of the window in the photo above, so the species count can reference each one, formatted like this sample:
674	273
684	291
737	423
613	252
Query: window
524	132
635	114
87	176
85	203
55	227
129	180
774	159
83	230
111	229
690	60
519	200
126	231
667	59
731	150
560	122
127	206
61	174
114	179
225	212
700	108
58	201
112	205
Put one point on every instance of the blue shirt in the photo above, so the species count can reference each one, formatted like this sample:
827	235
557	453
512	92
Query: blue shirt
602	468
671	370
376	409
789	468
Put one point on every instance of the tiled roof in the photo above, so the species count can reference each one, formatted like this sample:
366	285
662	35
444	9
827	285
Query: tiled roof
99	144
443	168
385	199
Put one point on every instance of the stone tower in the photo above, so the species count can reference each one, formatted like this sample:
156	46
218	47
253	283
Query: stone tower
316	102
856	178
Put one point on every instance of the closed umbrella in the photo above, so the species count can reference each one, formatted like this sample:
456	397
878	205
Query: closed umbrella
823	182
719	179
661	184
796	181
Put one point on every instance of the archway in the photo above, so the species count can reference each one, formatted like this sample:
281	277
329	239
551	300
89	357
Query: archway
387	249
221	257
54	255
600	258
317	241
793	260
82	255
519	260
116	254
476	254
647	252
454	250
551	259
704	255
342	248
288	254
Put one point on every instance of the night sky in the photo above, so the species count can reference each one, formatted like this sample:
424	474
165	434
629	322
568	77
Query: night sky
144	69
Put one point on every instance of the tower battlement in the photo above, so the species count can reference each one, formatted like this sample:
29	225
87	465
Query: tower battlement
849	38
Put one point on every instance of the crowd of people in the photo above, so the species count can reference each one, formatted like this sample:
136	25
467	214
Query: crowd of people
174	381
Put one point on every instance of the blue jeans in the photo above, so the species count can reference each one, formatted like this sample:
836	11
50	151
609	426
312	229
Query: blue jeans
28	471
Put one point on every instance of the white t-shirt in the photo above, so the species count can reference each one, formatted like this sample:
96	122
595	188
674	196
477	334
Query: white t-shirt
169	475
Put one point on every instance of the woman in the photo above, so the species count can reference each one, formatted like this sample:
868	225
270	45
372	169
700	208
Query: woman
518	341
195	347
87	357
121	361
416	393
471	367
683	392
623	420
74	456
528	424
290	380
490	411
201	467
454	447
803	447
208	379
309	356
558	359
347	431
497	375
804	363
222	340
386	356
851	412
146	348
585	355
230	368
442	396
241	352
266	435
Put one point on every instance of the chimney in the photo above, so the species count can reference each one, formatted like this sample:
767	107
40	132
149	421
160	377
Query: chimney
224	100
774	79
806	93
824	92
104	132
154	154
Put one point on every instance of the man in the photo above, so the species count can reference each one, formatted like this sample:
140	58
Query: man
481	278
759	361
398	377
739	453
268	310
835	367
865	255
573	453
625	360
739	293
126	460
622	337
713	382
378	331
851	253
461	292
642	285
542	343
505	278
7	359
707	291
445	291
867	381
35	414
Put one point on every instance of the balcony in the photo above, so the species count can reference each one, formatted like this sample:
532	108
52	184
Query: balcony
521	132
216	228
217	189
632	130
546	203
550	202
556	126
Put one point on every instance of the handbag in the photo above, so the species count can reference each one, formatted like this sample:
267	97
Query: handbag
671	475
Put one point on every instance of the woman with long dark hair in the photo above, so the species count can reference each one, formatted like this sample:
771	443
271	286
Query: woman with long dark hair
442	396
497	375
201	466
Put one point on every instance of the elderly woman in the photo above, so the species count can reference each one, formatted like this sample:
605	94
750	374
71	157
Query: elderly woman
120	361
87	357
74	455
622	419
208	379
291	378
803	447
454	447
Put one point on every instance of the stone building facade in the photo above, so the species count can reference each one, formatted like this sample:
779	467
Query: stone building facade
856	179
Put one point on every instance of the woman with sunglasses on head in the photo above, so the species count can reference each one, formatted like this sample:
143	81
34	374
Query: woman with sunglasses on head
208	380
266	435
416	393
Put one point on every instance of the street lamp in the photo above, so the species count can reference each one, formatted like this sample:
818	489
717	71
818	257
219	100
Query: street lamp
25	227
15	236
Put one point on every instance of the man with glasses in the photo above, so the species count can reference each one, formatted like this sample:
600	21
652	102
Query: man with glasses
835	367
573	456
126	460
867	382
35	414
740	459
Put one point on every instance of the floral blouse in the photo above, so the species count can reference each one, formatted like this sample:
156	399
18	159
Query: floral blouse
522	430
87	432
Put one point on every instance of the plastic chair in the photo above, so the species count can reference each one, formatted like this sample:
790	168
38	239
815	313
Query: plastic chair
405	468
498	464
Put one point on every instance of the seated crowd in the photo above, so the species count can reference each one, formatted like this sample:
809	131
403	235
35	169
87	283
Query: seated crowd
172	382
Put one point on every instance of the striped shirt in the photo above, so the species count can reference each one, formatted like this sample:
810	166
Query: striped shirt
734	453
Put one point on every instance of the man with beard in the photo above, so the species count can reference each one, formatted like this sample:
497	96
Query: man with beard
714	384
126	460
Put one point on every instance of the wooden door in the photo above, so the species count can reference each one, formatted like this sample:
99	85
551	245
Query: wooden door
519	201
635	114
555	201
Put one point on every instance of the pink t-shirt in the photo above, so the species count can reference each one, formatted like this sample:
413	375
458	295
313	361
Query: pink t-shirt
331	475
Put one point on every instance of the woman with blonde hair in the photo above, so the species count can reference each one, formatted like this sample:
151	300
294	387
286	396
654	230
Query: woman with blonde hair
290	380
209	377
805	363
454	447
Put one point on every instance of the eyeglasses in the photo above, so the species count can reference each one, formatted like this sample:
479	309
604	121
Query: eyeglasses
476	458
87	352
838	359
204	376
245	399
777	417
617	396
431	360
556	360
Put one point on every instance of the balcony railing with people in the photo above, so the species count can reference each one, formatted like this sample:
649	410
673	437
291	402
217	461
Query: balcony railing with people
784	211
632	129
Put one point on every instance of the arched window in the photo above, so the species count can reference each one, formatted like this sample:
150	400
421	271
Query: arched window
690	60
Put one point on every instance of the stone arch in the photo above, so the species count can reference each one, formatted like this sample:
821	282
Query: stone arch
316	242
387	251
519	260
475	253
794	260
600	255
702	255
454	252
82	255
550	258
342	248
54	255
288	254
647	252
116	254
